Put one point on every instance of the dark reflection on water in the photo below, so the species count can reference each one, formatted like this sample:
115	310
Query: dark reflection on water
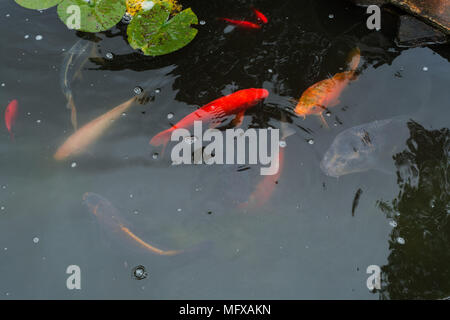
419	262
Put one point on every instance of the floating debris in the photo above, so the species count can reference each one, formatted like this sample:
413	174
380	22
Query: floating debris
356	201
310	141
170	115
393	224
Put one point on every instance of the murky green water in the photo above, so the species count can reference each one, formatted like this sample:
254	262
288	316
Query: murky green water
304	243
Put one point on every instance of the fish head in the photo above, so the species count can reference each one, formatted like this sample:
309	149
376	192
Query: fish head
250	97
347	154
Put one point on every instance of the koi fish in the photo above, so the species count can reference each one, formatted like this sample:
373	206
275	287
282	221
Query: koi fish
324	94
90	132
261	17
110	219
216	111
75	58
10	116
265	188
242	23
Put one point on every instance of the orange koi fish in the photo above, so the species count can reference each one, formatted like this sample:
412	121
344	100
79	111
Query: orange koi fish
109	218
89	133
326	93
10	116
242	23
261	17
265	188
216	111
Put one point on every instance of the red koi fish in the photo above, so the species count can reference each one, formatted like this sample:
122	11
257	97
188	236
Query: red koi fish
216	111
242	23
10	116
261	17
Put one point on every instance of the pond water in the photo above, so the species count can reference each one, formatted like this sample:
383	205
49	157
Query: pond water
315	235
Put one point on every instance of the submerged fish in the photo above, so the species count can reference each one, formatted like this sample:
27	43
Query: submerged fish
74	60
242	23
110	219
260	15
216	111
324	94
265	188
365	147
89	133
10	116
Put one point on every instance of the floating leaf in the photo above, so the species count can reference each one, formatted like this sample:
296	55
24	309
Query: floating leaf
38	4
94	15
155	34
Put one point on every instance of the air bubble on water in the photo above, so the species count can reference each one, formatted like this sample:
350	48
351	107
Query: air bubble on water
328	114
400	240
190	140
124	114
38	121
393	224
7	15
179	209
202	22
2	208
270	70
138	90
26	36
39	37
3	84
4	186
157	90
131	196
127	18
139	273
35	239
155	155
170	115
136	212
109	56
283	144
73	165
331	16
310	141
425	68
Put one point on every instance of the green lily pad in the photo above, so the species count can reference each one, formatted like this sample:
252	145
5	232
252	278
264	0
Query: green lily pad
95	15
38	4
155	34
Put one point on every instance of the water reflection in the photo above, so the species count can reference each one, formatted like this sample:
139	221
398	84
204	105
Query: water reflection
419	262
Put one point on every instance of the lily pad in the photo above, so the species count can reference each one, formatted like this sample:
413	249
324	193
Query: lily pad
95	15
155	34
38	4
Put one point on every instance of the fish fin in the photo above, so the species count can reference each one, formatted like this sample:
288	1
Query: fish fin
237	121
334	103
161	138
324	122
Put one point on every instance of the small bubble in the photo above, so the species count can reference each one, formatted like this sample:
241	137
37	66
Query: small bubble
2	208
202	22
8	15
38	121
139	273
124	114
4	186
328	114
136	212
310	141
127	18
331	16
283	144
35	239
270	70
157	90
170	115
179	209
425	68
131	196
3	84
39	37
155	155
73	165
109	56
400	240
26	36
393	224
190	140
138	90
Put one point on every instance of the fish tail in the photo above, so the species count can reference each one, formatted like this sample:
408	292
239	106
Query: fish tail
354	59
161	138
73	114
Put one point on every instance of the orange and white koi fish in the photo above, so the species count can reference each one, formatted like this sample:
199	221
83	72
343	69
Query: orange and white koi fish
89	133
10	116
326	93
110	219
